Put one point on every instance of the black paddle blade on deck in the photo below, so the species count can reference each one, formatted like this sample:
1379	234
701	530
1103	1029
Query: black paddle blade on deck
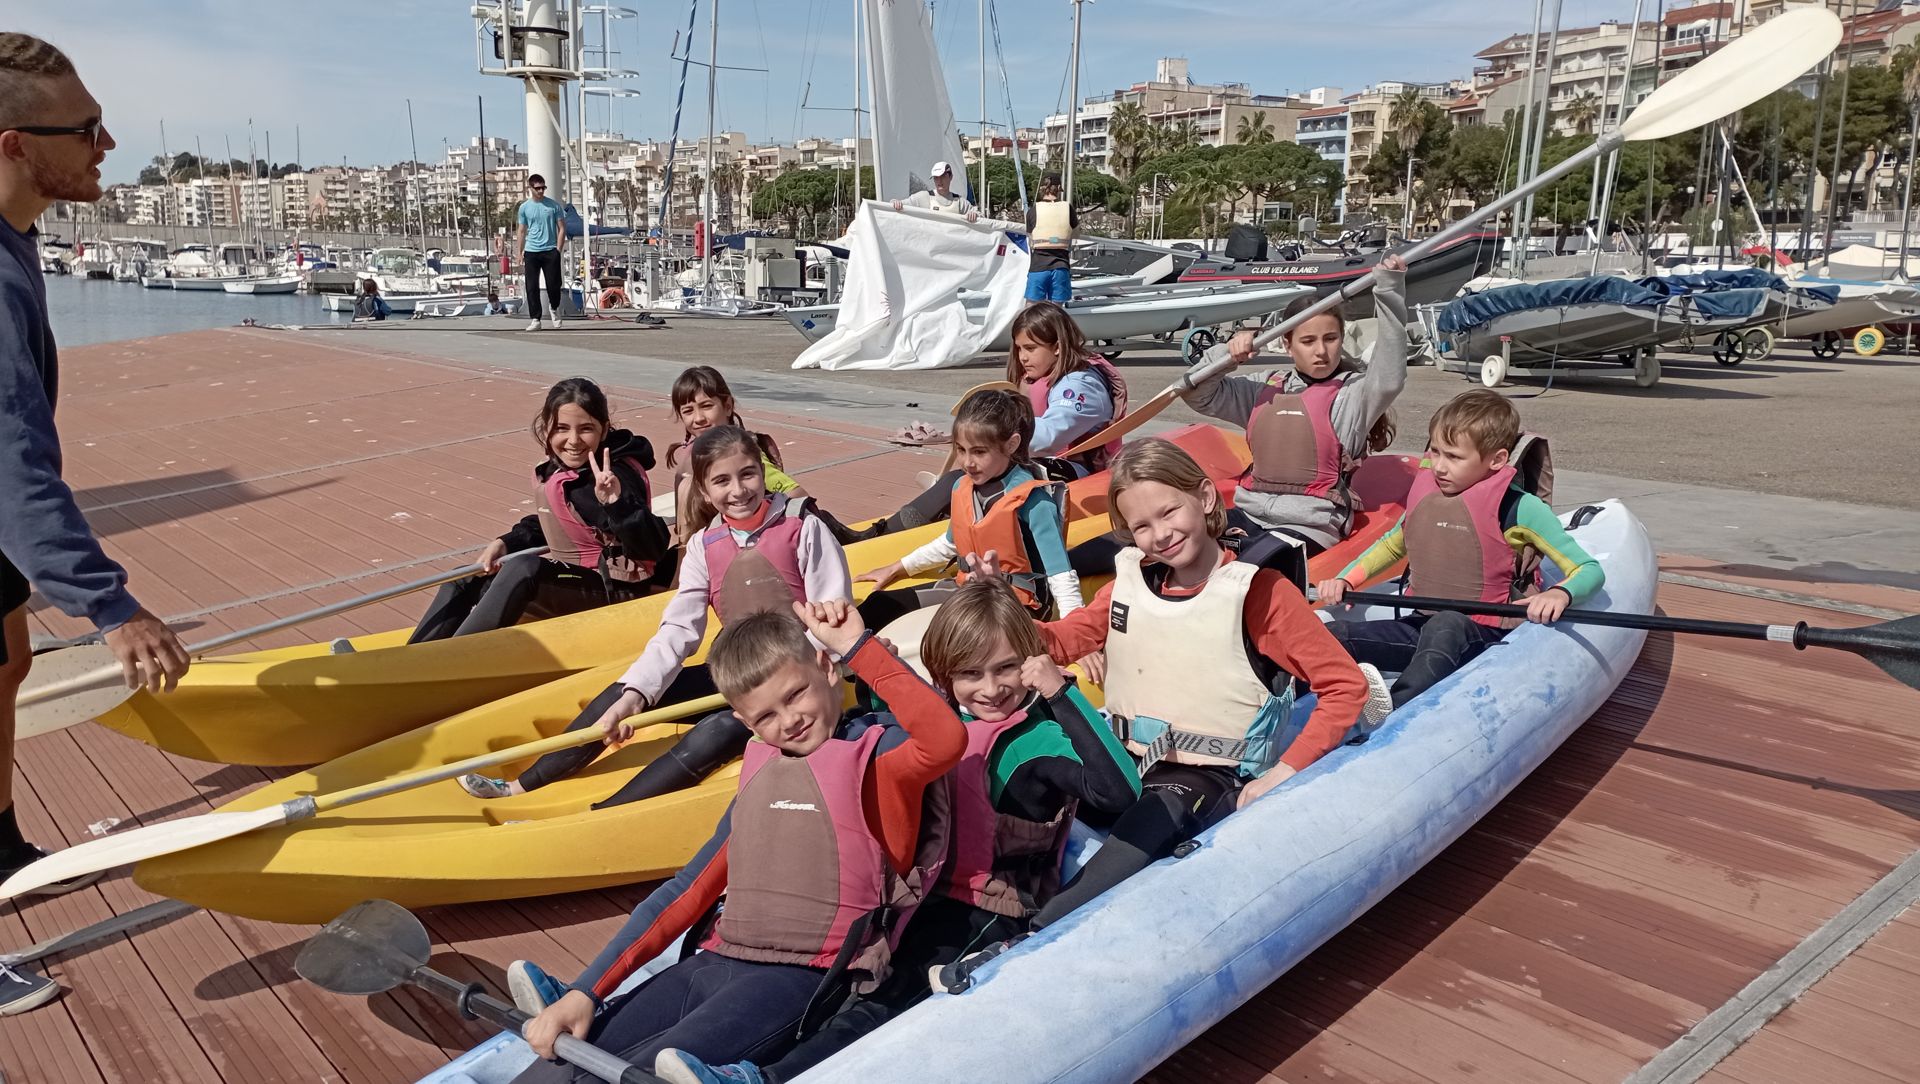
376	946
1893	646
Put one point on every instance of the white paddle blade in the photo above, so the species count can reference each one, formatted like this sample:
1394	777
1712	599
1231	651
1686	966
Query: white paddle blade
1752	66
68	687
905	634
151	841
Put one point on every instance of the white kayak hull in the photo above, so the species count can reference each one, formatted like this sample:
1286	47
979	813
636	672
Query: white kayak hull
1204	933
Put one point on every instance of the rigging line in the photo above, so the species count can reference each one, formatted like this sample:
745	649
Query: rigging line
673	141
1006	92
766	78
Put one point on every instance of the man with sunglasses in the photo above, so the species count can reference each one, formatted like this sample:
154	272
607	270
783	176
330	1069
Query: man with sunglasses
51	147
542	237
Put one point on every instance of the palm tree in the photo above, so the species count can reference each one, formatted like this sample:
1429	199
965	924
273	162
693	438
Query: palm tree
1582	112
1254	129
600	187
1409	116
1202	188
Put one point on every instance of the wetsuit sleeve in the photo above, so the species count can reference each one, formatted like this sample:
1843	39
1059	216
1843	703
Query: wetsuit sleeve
43	532
823	563
1100	773
525	534
1286	630
683	624
897	778
1080	633
778	481
1537	526
1369	395
1379	557
666	913
630	519
1227	397
1047	526
1076	406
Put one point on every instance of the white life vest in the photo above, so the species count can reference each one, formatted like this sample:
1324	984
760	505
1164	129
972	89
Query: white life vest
938	202
1180	685
1052	225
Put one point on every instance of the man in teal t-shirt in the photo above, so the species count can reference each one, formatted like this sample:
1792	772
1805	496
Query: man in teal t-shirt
542	237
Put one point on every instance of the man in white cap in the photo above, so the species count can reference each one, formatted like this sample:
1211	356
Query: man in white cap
941	198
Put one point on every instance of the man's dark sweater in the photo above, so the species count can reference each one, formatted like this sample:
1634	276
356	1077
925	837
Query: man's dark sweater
42	532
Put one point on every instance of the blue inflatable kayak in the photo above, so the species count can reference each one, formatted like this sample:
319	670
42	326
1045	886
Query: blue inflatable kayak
1111	991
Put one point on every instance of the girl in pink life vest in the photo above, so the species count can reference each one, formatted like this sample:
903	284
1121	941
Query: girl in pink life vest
701	400
1037	752
594	512
1310	425
757	551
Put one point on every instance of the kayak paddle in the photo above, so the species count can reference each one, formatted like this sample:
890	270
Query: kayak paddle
1893	646
169	837
1749	68
75	684
378	945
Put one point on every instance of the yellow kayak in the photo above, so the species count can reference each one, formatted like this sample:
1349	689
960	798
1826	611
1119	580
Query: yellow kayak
303	705
437	845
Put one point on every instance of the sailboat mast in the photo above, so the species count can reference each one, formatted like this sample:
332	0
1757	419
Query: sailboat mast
1840	136
1526	120
1906	194
1613	160
859	56
420	204
166	177
986	144
713	82
1073	108
205	194
1540	125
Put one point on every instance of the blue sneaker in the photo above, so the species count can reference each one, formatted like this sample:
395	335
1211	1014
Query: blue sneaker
23	990
680	1067
532	988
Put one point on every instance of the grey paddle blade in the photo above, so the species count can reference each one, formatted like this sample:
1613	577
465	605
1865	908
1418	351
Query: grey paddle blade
376	946
1893	646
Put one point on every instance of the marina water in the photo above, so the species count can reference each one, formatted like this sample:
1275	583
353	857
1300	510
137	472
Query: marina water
96	311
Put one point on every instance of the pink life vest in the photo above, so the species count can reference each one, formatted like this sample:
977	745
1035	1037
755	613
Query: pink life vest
1295	449
1457	546
764	574
571	540
1039	390
999	863
804	868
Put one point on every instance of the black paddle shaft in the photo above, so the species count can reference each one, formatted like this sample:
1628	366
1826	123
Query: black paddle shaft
474	1004
1893	646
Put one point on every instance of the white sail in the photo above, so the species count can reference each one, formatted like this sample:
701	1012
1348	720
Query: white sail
913	125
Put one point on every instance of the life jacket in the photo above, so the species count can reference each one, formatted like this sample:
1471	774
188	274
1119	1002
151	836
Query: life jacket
938	202
1181	682
572	540
1457	546
1039	391
808	883
763	573
999	530
1004	864
1052	224
1295	449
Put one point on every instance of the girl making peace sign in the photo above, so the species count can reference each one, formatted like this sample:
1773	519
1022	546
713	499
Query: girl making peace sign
593	510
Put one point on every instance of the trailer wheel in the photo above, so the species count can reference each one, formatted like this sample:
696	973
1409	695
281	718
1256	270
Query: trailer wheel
1869	341
1493	371
1646	370
1826	346
1197	342
1726	348
1757	344
1111	355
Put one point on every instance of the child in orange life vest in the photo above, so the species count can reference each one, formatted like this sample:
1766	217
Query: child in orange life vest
1464	530
1037	751
1000	503
757	552
701	400
822	857
1311	425
1202	652
594	514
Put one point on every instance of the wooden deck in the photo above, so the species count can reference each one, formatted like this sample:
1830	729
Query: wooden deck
1728	802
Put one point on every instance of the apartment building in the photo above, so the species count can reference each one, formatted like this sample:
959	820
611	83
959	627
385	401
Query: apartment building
1323	130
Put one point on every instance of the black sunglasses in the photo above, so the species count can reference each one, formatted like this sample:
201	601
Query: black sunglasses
90	129
538	187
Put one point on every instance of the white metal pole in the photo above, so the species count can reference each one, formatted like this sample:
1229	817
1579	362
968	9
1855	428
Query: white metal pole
1526	119
986	143
859	57
1540	123
1613	160
713	71
1073	109
588	294
1406	223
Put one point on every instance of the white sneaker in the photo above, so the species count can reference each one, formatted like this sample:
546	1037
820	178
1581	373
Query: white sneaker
556	321
532	325
1379	698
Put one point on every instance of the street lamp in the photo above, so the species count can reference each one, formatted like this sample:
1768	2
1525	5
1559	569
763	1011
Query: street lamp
1406	227
1159	209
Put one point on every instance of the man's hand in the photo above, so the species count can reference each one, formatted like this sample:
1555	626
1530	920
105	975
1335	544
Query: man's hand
973	216
149	653
836	624
571	1015
898	206
1330	592
1275	776
1547	606
613	721
1041	674
882	576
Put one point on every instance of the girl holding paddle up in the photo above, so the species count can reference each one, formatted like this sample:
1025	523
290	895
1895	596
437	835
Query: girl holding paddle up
593	510
1311	425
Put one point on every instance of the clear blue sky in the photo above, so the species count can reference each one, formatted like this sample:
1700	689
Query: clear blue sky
342	72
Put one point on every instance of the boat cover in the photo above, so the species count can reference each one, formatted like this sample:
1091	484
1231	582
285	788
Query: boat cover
1474	310
1741	278
1728	304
